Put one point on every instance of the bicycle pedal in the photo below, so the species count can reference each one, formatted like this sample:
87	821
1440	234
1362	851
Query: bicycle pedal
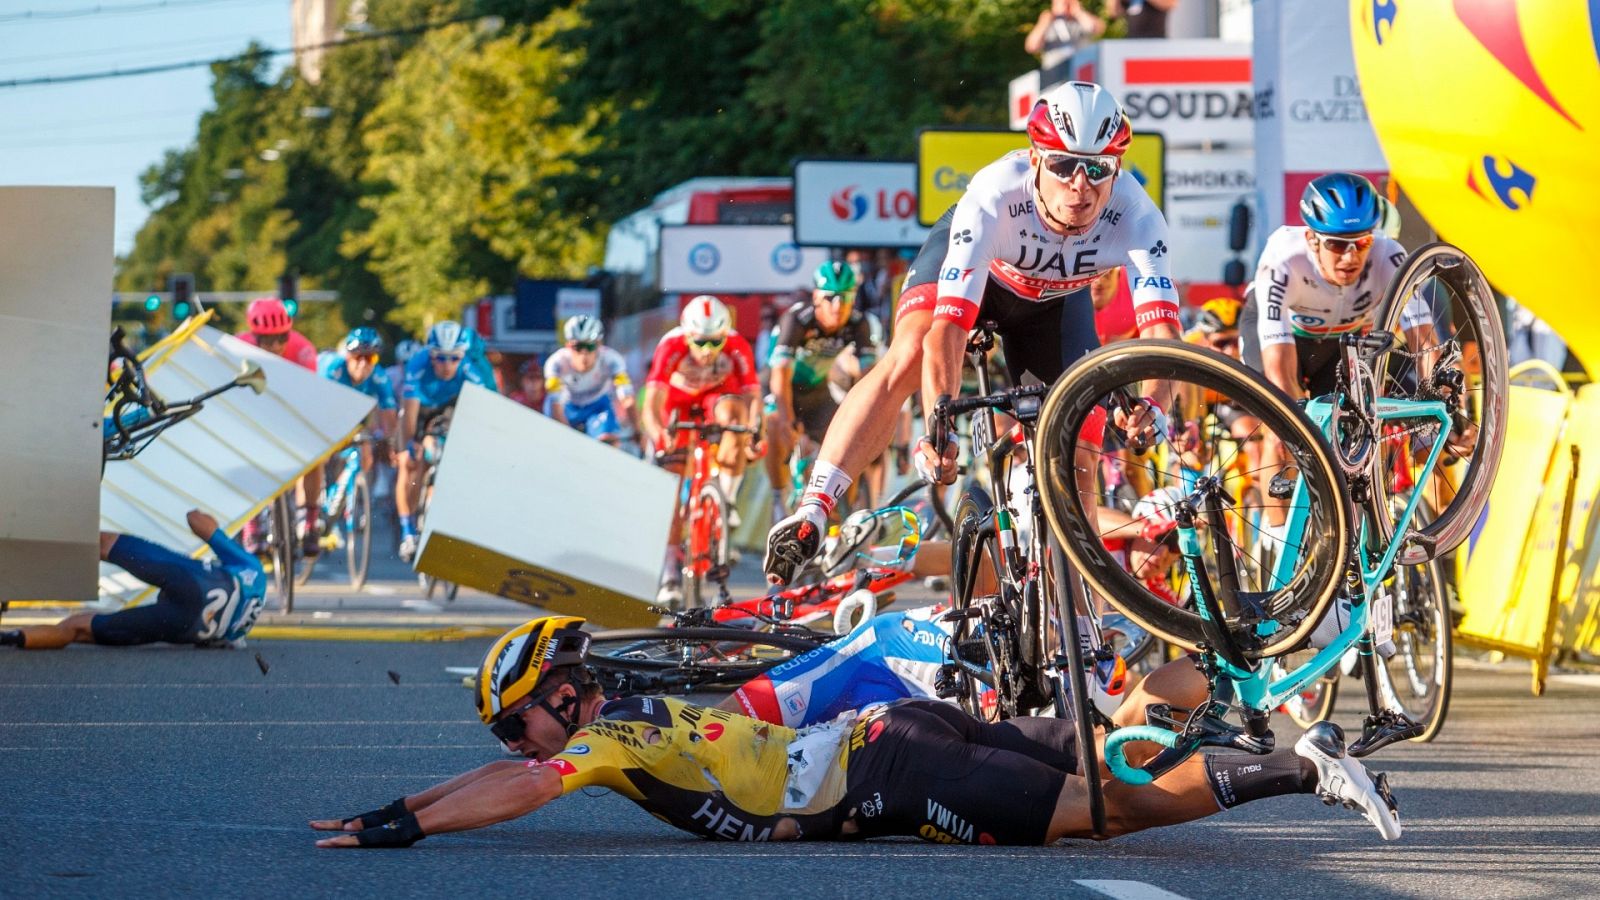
1280	488
1378	732
947	682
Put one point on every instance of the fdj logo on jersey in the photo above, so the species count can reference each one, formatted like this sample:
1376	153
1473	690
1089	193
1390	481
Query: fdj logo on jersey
847	204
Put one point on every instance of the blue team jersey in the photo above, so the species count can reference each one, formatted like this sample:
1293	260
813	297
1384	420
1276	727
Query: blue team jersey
330	365
426	388
230	615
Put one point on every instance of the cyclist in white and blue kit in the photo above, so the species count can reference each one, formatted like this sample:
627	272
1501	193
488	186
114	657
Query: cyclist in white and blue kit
588	382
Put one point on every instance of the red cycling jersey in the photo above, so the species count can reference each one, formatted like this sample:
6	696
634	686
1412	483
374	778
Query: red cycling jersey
299	350
731	371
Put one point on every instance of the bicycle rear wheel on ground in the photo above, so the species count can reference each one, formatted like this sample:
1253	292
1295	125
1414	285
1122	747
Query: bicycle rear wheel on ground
1266	610
633	661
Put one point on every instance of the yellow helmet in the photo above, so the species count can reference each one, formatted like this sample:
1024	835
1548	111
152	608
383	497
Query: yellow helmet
1218	314
518	659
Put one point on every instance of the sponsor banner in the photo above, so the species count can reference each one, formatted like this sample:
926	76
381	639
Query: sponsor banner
577	302
841	203
1024	93
1309	113
1197	225
754	259
1192	91
947	160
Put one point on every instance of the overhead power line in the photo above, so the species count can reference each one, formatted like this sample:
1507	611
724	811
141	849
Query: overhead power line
48	15
265	52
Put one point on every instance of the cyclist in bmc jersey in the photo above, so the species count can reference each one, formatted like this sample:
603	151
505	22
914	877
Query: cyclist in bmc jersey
588	382
1031	232
209	603
355	365
914	768
433	382
809	338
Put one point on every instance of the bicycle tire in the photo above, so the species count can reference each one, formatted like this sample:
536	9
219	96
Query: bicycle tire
708	521
358	535
1422	671
1299	601
1315	703
283	574
1481	317
1077	687
975	546
653	658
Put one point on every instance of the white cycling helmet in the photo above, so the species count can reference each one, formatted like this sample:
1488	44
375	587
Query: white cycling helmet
706	317
449	336
584	328
1079	117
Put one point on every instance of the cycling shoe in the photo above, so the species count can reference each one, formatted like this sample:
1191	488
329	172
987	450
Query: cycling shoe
791	544
1340	779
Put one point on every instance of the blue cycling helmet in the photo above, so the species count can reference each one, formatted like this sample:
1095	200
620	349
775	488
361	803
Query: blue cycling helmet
1341	203
363	338
448	337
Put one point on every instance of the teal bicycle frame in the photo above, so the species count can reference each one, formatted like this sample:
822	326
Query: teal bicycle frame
1253	685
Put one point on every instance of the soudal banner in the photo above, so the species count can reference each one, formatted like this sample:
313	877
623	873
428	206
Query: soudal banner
847	203
735	259
1192	91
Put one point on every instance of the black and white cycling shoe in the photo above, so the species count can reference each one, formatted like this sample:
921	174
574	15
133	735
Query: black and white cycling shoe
791	544
1343	780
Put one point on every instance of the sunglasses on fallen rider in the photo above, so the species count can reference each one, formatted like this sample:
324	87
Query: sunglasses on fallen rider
707	343
510	728
1341	246
1062	166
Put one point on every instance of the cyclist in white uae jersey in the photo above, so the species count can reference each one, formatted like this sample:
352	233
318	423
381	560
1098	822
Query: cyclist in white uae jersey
1031	229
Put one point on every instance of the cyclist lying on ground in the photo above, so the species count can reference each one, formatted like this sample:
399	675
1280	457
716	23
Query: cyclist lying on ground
210	603
914	768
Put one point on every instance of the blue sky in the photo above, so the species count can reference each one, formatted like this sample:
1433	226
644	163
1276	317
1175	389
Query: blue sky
107	132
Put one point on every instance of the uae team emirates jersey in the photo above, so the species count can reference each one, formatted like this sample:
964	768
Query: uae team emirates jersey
998	233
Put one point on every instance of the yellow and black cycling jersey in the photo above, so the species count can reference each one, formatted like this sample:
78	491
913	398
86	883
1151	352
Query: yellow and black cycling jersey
710	772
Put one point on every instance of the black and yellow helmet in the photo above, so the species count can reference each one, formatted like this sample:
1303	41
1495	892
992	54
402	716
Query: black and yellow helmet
518	659
1218	314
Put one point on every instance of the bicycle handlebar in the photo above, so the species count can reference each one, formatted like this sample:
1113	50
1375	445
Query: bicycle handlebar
1116	758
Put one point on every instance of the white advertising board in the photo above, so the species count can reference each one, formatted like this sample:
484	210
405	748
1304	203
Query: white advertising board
734	259
1201	191
577	302
530	509
1193	91
55	275
847	203
1310	117
1022	94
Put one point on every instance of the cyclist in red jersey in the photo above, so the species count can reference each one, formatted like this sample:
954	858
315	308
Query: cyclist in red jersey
702	371
272	329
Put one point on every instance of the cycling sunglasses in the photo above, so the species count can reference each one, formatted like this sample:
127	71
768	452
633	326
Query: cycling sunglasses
447	357
367	353
1062	166
265	340
584	346
846	298
707	343
510	728
1341	246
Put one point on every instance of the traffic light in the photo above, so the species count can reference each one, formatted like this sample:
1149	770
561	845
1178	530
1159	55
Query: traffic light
182	296
289	292
152	303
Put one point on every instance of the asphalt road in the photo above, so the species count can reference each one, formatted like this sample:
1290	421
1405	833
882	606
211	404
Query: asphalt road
173	771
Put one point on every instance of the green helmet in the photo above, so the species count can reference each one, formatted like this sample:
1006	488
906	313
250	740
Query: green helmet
835	277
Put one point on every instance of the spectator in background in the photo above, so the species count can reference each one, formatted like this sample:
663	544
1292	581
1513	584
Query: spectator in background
1062	30
1532	337
1146	18
530	390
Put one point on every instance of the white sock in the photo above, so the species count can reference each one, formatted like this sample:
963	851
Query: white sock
828	483
730	485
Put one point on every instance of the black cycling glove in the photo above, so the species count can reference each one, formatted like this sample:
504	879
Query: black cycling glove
378	817
402	832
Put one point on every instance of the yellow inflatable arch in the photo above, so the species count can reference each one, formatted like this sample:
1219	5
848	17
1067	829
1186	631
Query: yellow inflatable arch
1489	114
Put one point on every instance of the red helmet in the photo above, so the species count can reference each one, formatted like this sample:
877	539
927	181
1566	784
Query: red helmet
268	315
1080	117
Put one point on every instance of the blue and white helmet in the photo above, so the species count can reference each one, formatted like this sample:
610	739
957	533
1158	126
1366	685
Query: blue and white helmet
448	337
1341	203
584	328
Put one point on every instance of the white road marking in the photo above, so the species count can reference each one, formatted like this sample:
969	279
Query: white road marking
424	605
381	590
1128	890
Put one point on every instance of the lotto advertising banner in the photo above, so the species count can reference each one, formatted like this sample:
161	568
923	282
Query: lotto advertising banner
734	259
846	203
948	158
1310	117
1192	91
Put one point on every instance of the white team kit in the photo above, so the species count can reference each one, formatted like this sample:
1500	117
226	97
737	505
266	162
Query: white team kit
997	233
609	373
1294	299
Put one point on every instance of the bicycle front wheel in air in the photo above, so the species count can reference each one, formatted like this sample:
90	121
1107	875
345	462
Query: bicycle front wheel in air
358	531
983	645
633	661
283	575
1420	673
1266	609
1447	341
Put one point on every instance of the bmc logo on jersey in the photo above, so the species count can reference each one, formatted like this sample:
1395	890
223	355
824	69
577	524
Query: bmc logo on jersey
956	273
1162	282
848	205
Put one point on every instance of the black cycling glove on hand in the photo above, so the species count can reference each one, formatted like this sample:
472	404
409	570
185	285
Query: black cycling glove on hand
402	832
382	816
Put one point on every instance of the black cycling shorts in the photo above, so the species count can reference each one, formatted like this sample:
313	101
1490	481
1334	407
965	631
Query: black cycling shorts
924	768
814	409
1319	359
1039	337
178	614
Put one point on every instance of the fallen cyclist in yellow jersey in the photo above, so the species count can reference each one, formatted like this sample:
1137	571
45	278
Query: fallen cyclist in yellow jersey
917	768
